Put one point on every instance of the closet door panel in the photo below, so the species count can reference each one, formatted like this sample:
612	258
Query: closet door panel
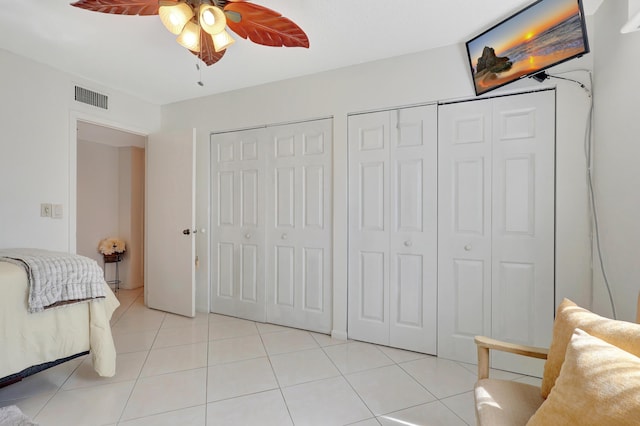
469	286
224	270
313	261
315	271
372	305
496	225
369	222
469	196
372	189
464	227
393	228
523	224
409	292
285	276
237	227
225	198
314	253
285	197
413	237
250	258
515	287
410	195
299	230
249	280
313	197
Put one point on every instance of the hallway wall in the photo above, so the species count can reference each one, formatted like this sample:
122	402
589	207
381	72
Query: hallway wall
111	204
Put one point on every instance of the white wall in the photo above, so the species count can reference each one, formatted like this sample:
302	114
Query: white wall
616	154
98	197
130	182
132	218
38	148
110	203
434	75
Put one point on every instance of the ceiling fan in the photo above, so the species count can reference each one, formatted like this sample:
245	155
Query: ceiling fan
201	24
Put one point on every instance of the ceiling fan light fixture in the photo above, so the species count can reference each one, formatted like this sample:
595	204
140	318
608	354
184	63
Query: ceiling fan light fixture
222	40
189	20
189	38
212	19
175	16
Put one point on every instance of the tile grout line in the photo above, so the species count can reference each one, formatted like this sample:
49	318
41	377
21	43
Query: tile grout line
275	375
350	385
124	407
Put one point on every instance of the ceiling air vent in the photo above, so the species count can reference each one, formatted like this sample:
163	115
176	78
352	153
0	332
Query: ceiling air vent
90	97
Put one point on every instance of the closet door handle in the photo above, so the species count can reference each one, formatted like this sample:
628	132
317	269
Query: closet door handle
467	247
247	235
408	243
284	236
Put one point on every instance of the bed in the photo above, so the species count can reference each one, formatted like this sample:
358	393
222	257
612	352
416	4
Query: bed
33	341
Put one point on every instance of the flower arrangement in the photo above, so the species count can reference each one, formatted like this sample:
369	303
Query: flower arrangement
109	246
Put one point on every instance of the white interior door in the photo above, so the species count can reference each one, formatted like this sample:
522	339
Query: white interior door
298	239
413	286
464	227
238	224
170	223
369	227
496	225
393	228
523	225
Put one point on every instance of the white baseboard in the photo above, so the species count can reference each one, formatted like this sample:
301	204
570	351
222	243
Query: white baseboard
339	335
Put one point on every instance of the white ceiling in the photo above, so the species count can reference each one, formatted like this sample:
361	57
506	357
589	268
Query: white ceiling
137	55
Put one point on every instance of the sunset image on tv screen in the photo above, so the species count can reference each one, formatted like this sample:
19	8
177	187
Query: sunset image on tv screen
545	34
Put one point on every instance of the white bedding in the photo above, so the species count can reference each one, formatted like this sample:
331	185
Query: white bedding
28	339
56	277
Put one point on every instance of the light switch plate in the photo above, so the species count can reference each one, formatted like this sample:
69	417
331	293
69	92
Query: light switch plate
45	210
56	212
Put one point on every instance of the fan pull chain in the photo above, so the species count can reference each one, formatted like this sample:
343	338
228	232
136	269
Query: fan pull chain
200	83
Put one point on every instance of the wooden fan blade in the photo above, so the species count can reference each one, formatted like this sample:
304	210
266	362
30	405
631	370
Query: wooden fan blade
207	53
120	7
264	26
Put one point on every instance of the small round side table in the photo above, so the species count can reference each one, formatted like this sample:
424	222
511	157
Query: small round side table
112	258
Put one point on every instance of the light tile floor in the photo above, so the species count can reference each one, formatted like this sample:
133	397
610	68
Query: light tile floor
218	370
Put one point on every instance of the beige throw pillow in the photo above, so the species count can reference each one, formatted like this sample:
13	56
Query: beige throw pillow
569	316
599	384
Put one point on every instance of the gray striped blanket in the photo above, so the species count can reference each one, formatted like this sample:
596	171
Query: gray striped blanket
57	278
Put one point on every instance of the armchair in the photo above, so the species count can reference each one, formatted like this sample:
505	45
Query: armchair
588	390
504	402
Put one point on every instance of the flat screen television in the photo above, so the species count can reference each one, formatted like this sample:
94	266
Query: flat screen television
544	34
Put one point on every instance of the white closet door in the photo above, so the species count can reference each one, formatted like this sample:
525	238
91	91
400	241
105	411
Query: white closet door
393	228
369	227
299	226
238	227
496	225
523	224
413	290
464	227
